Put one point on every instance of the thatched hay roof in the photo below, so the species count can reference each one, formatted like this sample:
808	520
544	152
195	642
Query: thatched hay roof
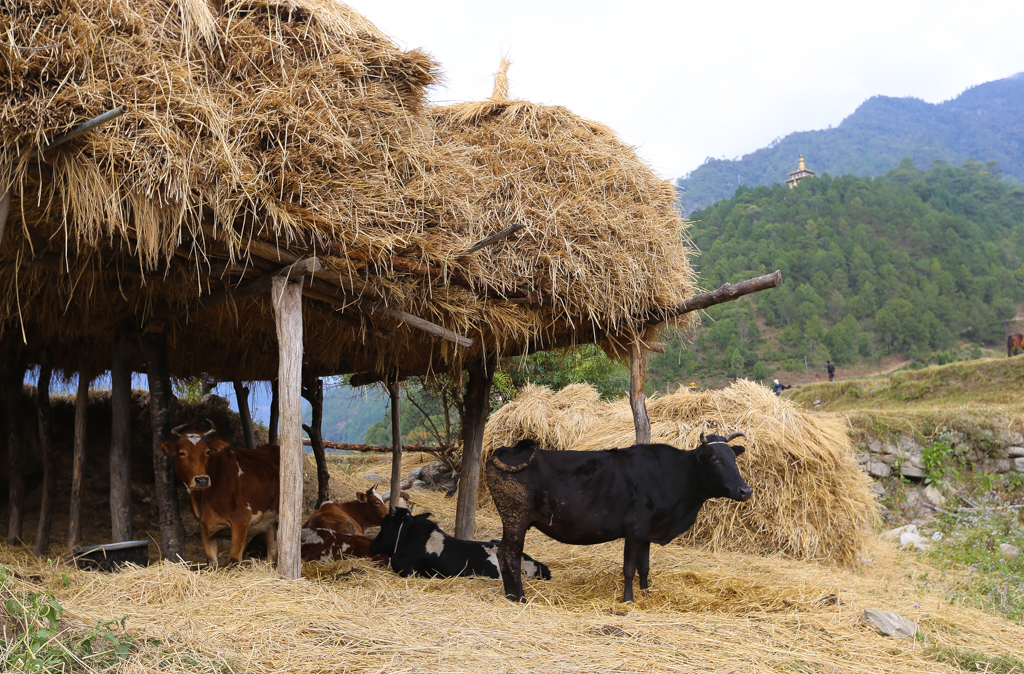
260	132
811	500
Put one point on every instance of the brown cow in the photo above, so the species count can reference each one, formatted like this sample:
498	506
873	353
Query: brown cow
228	488
350	517
324	545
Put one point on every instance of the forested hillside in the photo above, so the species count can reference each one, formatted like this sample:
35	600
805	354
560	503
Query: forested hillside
913	262
985	123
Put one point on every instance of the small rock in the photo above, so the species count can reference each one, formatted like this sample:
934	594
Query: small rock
416	474
878	469
373	477
1009	551
893	534
937	536
878	489
1002	465
890	624
1019	464
863	458
419	484
909	540
1015	452
875	446
934	496
909	470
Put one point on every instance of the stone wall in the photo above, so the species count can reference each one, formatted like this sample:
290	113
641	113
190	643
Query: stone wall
988	452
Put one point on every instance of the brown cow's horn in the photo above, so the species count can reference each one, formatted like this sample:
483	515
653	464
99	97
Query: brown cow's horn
737	434
213	429
176	431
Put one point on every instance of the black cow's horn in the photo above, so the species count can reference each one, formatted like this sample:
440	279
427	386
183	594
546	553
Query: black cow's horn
737	434
702	440
176	431
213	429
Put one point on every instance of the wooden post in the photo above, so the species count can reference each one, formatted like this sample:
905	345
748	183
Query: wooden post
5	208
242	396
42	545
287	301
637	398
78	460
120	441
477	405
313	391
275	412
13	385
172	531
396	441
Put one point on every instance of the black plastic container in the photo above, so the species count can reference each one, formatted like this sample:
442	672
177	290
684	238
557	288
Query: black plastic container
112	556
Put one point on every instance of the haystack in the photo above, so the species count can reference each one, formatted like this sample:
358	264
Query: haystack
811	501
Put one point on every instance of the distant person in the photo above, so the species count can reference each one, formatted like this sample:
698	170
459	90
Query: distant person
831	370
778	388
693	387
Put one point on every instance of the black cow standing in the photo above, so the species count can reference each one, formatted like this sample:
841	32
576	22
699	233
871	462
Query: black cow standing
417	546
643	493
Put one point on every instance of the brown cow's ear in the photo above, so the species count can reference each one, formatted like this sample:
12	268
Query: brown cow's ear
361	497
170	447
217	445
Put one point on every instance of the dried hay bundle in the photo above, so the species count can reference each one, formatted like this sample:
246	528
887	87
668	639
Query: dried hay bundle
811	501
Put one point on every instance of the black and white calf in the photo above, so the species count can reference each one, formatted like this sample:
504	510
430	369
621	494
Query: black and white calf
417	546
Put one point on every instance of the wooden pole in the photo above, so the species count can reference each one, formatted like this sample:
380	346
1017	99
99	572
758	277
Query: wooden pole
78	460
5	209
242	396
287	301
172	531
396	442
637	398
313	391
15	375
726	293
477	405
42	544
275	412
120	441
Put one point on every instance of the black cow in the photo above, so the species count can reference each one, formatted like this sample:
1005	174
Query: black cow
643	493
417	546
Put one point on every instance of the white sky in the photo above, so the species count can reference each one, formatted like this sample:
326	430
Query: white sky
686	80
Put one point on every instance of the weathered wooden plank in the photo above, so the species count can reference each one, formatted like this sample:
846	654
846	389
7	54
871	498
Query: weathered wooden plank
477	405
120	441
637	398
287	301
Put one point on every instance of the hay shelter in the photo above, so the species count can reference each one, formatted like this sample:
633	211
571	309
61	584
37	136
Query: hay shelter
811	500
269	196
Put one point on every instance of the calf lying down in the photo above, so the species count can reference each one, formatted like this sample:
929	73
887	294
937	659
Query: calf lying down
324	545
417	546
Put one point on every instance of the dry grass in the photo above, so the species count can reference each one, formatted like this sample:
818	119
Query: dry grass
299	124
720	612
811	500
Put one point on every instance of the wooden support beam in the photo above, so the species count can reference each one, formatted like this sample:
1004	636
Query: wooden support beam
491	240
78	460
172	531
336	296
94	123
120	440
13	385
333	312
5	209
42	544
727	292
313	391
396	443
242	397
637	398
477	405
287	301
380	449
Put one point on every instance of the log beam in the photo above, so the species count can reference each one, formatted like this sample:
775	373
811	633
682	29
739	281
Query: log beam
244	415
172	531
78	460
42	544
380	449
726	293
13	385
396	443
275	412
313	391
120	441
287	301
477	405
637	398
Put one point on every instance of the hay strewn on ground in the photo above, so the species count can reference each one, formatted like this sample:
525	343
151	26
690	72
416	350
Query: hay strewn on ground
811	501
714	612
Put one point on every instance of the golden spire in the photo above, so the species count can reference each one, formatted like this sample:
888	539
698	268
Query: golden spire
802	167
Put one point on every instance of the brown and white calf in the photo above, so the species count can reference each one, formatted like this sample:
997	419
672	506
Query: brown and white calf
324	545
229	489
350	517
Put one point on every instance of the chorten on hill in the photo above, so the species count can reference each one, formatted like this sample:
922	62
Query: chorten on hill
799	174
